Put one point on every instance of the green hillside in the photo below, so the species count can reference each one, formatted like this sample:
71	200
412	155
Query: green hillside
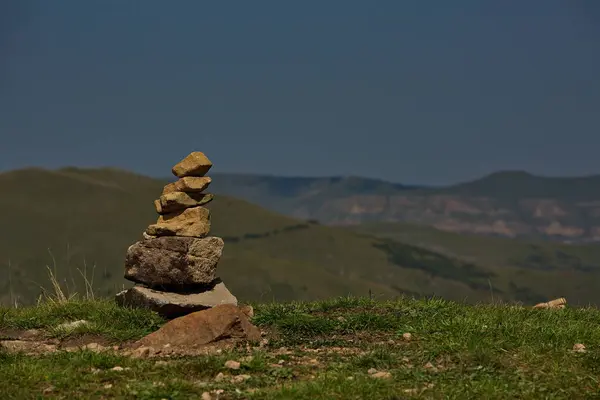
563	270
75	219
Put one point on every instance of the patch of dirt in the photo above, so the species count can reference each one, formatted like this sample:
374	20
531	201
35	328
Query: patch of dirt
138	351
83	340
21	334
36	342
26	346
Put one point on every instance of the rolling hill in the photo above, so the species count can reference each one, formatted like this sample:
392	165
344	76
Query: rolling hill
82	220
529	263
511	203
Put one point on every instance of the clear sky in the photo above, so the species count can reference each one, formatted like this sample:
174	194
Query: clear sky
429	92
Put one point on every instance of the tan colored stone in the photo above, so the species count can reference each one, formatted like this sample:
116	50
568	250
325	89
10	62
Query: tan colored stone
195	164
179	201
158	206
232	364
191	222
172	305
188	184
145	236
222	322
248	310
169	188
381	375
579	348
556	303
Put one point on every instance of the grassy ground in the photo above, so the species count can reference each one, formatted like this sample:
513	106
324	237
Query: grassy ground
323	350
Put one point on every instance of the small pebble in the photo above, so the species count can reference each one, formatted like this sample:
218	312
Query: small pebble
231	364
579	348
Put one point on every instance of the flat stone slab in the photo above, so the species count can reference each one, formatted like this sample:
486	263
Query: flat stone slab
179	201
173	305
188	184
172	262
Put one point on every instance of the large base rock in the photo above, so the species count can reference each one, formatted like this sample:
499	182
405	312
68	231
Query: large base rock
173	263
172	305
204	327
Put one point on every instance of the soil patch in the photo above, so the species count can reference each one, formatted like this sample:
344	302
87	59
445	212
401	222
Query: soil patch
85	339
21	334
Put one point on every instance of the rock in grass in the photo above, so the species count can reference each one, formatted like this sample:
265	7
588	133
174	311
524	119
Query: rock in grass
218	323
172	304
174	262
556	303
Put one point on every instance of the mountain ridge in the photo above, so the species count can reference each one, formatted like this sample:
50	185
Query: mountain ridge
77	220
514	204
507	203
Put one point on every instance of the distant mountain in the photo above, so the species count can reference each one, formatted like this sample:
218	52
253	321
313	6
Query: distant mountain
511	203
81	221
284	194
515	185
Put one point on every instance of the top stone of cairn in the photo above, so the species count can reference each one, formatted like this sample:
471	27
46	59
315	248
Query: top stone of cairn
195	164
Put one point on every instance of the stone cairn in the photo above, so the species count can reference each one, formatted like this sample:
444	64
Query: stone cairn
174	266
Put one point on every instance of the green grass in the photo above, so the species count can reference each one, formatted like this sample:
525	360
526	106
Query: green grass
324	350
105	318
490	251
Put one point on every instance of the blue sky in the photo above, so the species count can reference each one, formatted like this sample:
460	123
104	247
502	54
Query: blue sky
429	92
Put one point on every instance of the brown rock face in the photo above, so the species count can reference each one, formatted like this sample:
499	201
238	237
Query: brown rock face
204	327
171	304
191	222
195	164
173	262
179	201
188	184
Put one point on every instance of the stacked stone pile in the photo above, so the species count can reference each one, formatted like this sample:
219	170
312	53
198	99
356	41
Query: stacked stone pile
174	266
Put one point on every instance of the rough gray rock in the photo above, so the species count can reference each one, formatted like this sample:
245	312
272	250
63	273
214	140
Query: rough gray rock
172	305
172	262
